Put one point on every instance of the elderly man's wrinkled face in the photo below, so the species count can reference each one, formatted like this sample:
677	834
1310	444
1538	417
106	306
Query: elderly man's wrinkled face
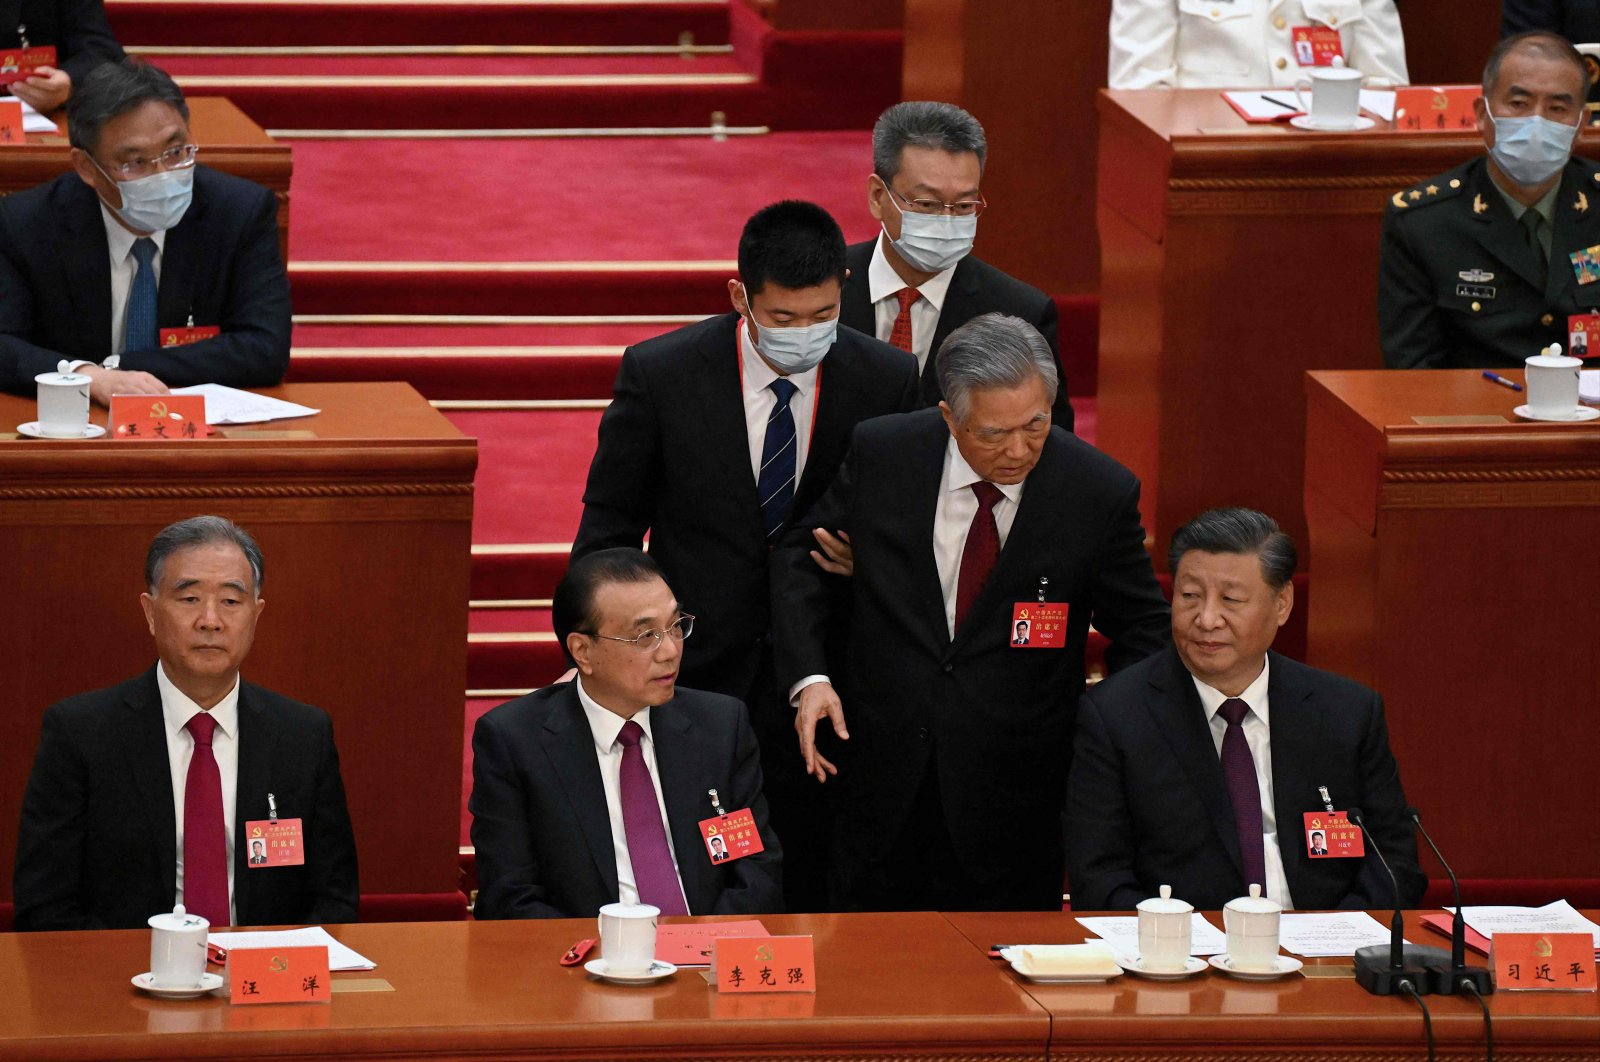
1004	430
203	614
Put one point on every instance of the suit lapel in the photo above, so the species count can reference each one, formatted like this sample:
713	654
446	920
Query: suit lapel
727	439
676	759
919	502
569	745
257	744
1501	234
1181	720
855	303
179	255
830	432
1295	725
961	302
86	271
145	738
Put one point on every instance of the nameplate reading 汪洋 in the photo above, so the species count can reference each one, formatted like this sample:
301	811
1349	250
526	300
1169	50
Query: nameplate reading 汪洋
279	975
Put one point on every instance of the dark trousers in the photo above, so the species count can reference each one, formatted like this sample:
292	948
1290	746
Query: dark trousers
797	806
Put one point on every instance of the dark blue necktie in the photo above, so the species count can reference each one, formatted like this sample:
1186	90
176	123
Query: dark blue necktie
141	333
776	481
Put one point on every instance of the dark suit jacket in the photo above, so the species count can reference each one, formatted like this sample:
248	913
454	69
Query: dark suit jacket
993	721
220	265
674	460
1576	20
97	848
540	823
1147	804
976	288
78	29
1459	286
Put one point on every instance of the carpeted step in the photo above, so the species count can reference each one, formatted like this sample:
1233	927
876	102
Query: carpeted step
527	571
487	617
424	70
356	22
513	660
531	470
537	373
311	333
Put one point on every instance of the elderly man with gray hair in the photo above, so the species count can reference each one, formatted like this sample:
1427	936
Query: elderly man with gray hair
148	794
965	519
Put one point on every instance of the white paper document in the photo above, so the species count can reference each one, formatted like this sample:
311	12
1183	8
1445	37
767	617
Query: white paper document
32	120
1335	933
1121	932
1588	390
229	405
1558	917
1378	102
339	956
1274	104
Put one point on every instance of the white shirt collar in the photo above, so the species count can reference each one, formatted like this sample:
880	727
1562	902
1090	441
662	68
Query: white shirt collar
119	239
606	724
883	281
958	475
758	375
177	708
1255	694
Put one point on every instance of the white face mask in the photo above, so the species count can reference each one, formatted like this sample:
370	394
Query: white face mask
157	202
933	242
792	350
1532	149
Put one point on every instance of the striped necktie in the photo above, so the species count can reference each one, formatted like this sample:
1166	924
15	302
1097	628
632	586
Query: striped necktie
776	481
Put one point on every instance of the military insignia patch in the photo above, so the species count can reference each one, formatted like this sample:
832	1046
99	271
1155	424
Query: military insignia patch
1475	276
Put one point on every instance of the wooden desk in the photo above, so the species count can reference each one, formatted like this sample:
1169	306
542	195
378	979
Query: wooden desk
229	141
1213	1016
1455	577
903	986
1235	257
366	528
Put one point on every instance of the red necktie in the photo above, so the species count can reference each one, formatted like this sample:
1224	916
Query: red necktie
205	833
900	336
980	552
653	873
1244	791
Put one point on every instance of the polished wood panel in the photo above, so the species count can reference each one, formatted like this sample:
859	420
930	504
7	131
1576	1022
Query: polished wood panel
899	986
1214	1016
1447	42
364	513
1236	257
229	141
1455	578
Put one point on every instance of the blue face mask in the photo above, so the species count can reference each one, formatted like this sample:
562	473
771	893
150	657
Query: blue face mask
792	350
1531	150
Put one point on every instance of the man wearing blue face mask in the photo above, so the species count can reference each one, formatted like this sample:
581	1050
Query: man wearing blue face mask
720	436
918	281
1484	265
141	267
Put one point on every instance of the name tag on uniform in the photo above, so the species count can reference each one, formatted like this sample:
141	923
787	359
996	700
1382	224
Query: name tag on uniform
1586	264
1330	835
1475	291
1038	625
177	337
1317	45
274	844
1583	335
731	836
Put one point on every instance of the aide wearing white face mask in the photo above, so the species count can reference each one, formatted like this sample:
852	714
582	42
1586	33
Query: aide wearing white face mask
1484	265
142	268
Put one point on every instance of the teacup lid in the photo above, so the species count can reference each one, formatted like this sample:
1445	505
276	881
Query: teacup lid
178	919
62	375
1551	358
1165	904
1255	903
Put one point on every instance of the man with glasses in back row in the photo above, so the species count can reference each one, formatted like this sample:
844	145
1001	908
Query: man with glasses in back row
141	268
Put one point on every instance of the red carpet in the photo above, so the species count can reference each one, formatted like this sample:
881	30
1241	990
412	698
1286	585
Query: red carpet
466	288
424	67
451	335
531	468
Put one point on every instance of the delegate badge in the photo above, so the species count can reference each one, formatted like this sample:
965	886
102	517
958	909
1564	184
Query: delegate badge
177	337
731	836
19	63
274	844
1583	335
1330	835
1038	625
1317	45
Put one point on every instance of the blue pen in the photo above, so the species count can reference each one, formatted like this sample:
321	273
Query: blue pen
1494	377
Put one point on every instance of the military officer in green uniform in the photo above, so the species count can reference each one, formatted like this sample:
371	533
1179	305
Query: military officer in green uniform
1482	266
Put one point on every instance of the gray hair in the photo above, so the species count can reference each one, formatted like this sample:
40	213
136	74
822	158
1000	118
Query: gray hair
114	89
1238	531
993	352
1542	43
200	531
921	123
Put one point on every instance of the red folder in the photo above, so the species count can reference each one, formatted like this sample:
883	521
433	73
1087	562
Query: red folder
1445	923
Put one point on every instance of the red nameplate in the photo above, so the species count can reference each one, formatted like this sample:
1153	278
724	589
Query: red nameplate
170	417
1583	335
279	975
731	836
18	63
177	337
1549	962
1317	45
1038	626
1436	109
274	844
690	943
11	131
764	964
1329	835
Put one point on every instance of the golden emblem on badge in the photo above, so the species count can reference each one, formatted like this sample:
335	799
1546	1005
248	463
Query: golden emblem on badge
1478	205
158	409
1542	948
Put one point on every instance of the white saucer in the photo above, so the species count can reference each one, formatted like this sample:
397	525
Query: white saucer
1282	967
1306	122
658	971
1135	966
209	982
1577	416
31	430
1014	957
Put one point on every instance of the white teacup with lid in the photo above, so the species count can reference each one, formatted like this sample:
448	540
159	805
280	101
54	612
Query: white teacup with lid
177	949
1552	383
63	403
1251	923
1166	932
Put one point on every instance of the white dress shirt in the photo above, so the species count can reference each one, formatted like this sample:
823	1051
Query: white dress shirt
1258	736
952	519
759	403
882	285
123	267
606	725
176	711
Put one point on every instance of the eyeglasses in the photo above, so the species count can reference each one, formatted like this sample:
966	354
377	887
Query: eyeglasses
966	208
649	641
174	158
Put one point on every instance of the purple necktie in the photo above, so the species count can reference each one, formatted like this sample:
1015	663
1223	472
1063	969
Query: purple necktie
653	873
205	834
1239	767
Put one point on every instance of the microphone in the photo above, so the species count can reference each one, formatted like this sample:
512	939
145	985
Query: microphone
1454	976
1399	968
